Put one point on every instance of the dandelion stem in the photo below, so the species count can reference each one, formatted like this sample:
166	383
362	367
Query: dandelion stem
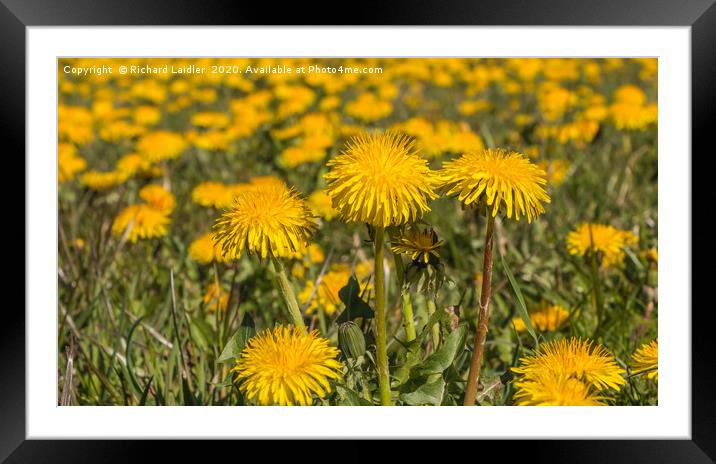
287	292
597	295
596	286
481	334
408	319
380	335
435	329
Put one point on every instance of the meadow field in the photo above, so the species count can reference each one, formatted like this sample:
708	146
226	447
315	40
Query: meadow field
358	231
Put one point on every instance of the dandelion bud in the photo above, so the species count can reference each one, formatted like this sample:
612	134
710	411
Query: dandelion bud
351	340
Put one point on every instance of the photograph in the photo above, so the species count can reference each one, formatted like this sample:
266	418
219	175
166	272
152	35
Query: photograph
357	231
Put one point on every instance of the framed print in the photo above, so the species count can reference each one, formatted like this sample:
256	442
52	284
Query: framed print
226	223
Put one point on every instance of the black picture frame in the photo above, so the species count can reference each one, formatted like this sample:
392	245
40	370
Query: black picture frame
17	15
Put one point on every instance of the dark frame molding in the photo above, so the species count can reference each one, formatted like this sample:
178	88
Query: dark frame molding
16	15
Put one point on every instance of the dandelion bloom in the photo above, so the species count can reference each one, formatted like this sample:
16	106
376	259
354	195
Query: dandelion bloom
556	170
297	155
147	115
213	195
161	145
600	238
204	250
630	94
144	222
555	101
286	367
630	116
420	245
267	218
652	255
497	178
380	180
547	318
133	163
210	119
68	162
327	293
321	205
646	360
215	296
573	358
101	181
116	131
260	181
555	390
158	197
368	108
313	252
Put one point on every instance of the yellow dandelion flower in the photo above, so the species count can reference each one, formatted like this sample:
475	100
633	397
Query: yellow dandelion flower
286	367
546	318
313	252
68	162
215	295
267	218
329	103
555	390
574	358
555	101
204	250
380	180
477	279
364	270
321	205
158	197
132	164
298	270
327	293
274	181
116	131
209	119
368	108
211	140
630	94
497	178
147	115
143	221
420	245
604	239
213	195
646	360
161	145
292	157
101	181
556	170
631	116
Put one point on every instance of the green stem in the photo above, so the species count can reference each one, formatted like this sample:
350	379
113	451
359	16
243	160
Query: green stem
597	297
597	293
408	319
287	292
322	320
435	329
626	141
380	336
